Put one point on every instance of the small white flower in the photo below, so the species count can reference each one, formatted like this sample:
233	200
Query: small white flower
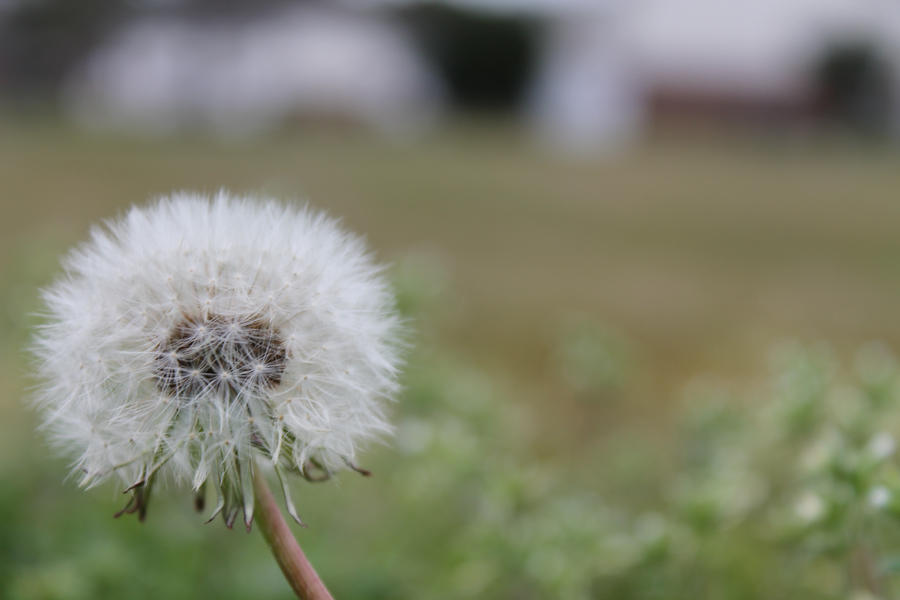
879	496
882	445
194	334
810	507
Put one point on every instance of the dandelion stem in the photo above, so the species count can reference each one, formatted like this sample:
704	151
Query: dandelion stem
293	562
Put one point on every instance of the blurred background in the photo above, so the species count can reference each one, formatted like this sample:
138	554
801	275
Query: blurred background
638	240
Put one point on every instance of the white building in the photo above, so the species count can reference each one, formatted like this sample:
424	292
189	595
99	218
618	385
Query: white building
603	63
163	74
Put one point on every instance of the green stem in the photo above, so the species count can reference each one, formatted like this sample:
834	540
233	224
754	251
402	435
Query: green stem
293	562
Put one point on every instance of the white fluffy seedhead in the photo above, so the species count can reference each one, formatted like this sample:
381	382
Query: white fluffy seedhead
195	334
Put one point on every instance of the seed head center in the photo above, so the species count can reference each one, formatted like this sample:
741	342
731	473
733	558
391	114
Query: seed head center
219	354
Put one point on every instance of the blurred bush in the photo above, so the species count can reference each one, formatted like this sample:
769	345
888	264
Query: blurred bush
855	88
593	359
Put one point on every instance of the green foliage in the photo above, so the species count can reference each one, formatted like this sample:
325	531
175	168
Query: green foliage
594	360
804	470
790	490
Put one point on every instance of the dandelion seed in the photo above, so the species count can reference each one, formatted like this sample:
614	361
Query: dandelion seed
174	349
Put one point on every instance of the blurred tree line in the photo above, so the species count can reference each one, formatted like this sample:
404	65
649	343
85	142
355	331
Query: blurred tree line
485	59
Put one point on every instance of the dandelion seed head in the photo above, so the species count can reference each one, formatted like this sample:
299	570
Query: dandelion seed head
193	334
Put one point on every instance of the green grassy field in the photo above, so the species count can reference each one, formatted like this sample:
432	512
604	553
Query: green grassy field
686	258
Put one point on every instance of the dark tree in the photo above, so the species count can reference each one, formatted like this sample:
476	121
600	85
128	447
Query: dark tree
486	59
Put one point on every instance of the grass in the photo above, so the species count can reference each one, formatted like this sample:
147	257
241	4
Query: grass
699	253
692	247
